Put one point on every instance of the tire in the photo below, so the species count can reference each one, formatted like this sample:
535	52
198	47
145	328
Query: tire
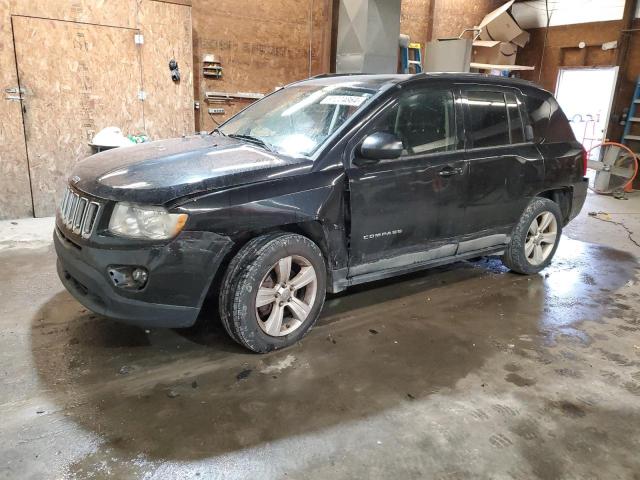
519	255
259	268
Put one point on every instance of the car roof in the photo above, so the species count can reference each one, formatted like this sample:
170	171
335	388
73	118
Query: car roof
363	80
378	81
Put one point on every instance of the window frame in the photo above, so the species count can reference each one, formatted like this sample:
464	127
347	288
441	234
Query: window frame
519	104
392	102
494	89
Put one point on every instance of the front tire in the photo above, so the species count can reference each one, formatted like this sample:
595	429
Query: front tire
273	291
535	238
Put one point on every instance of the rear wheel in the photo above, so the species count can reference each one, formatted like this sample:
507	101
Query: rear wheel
273	291
535	238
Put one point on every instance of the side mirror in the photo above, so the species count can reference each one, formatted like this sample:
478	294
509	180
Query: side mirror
379	146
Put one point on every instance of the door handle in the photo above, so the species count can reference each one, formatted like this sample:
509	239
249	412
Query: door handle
450	171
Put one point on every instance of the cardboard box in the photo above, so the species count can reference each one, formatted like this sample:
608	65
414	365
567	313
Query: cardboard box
494	52
447	55
499	25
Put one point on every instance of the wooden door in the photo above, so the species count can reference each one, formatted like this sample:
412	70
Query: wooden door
78	79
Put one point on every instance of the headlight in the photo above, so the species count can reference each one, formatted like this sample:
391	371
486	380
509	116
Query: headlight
137	221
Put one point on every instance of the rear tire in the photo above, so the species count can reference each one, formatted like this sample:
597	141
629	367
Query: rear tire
273	291
535	238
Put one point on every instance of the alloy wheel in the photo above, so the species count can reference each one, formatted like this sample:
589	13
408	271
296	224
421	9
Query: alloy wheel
541	238
286	295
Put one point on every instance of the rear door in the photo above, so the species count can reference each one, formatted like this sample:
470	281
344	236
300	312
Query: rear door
505	167
409	209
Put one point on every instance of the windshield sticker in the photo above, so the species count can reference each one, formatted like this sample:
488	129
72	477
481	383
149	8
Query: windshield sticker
349	100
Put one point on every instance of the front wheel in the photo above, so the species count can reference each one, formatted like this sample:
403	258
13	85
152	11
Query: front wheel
535	238
273	291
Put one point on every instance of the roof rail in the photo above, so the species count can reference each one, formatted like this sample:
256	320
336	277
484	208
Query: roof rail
326	75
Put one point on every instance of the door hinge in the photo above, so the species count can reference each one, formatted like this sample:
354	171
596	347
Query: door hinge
138	38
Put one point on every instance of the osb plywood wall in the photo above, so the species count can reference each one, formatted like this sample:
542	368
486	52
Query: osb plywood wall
167	110
262	45
451	17
415	16
424	20
594	34
62	112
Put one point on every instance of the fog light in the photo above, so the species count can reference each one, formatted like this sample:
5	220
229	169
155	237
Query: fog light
131	278
140	276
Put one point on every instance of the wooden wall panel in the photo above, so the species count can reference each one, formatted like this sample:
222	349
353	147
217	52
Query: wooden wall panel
119	13
261	45
415	20
451	17
570	36
15	199
70	96
168	109
567	36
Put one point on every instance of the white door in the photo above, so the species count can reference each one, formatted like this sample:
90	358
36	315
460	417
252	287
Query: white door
585	95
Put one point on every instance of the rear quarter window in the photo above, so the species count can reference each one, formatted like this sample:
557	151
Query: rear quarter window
547	118
539	112
559	129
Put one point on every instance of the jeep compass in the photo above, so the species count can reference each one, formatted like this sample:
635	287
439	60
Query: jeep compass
329	182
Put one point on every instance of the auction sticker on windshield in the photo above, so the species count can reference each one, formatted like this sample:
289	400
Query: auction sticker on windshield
350	100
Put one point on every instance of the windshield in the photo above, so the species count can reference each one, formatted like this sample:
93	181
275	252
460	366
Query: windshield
298	119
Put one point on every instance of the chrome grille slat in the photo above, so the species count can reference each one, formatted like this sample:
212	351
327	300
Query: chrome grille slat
79	214
72	210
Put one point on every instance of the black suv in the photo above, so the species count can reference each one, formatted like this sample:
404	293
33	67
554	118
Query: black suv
326	183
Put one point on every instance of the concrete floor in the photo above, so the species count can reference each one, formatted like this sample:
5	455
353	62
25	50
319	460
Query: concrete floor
465	371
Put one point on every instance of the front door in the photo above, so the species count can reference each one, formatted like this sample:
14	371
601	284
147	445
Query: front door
410	209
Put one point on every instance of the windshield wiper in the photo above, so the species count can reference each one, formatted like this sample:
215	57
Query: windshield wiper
218	131
254	140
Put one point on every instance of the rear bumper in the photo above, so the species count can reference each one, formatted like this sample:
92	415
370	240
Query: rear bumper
579	197
180	274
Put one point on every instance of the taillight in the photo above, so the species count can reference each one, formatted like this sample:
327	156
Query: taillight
585	160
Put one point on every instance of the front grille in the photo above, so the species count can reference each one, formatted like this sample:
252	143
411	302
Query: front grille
79	214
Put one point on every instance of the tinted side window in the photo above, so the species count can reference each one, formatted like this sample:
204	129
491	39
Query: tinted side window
489	121
424	121
515	121
539	111
559	129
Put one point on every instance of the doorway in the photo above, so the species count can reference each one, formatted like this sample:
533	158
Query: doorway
585	95
77	78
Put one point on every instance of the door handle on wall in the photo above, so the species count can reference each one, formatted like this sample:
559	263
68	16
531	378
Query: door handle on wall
450	171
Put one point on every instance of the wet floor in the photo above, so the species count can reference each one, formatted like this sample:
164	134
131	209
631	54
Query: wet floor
465	371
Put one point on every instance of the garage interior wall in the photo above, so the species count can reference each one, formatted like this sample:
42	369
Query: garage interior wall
561	51
261	45
424	20
90	61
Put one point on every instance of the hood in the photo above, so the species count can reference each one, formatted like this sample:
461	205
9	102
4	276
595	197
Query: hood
162	171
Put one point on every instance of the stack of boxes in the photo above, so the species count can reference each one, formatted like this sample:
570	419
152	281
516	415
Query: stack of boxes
499	37
494	46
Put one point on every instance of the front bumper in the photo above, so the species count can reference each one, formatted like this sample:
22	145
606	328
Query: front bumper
180	274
